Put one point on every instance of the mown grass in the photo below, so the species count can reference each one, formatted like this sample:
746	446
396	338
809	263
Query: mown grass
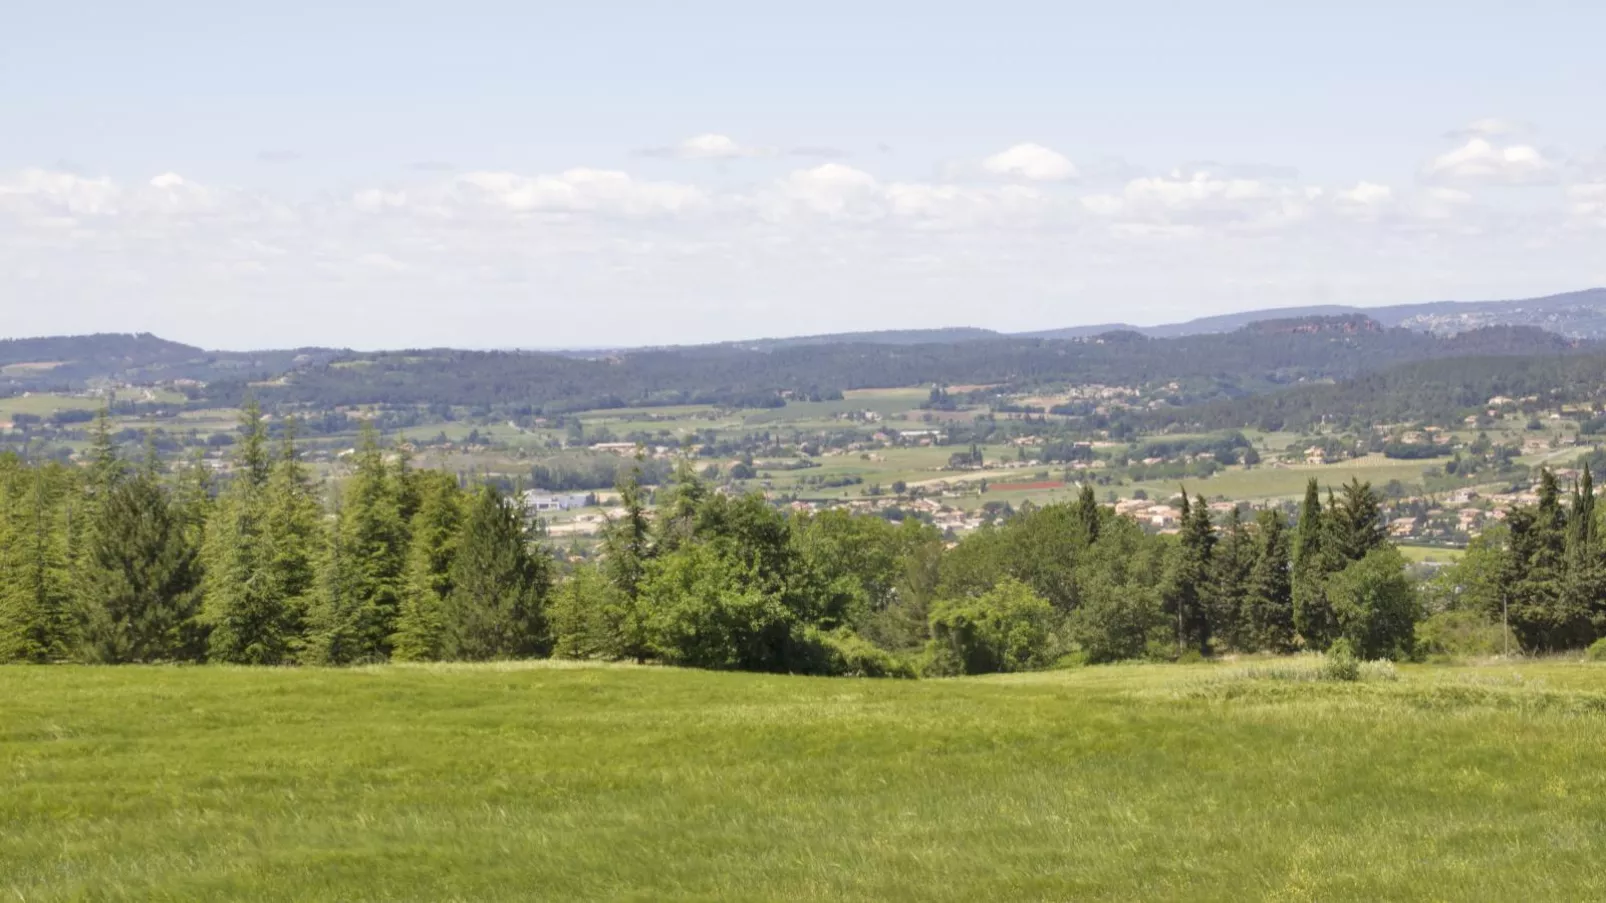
542	782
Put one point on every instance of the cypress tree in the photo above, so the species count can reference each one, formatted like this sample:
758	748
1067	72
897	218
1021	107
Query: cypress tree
1356	521
420	624
292	534
1188	589
1269	591
494	609
1087	512
1234	557
1313	614
626	549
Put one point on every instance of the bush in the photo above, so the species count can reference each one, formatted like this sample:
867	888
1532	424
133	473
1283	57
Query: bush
843	653
1341	663
1009	628
1459	634
1596	651
1376	605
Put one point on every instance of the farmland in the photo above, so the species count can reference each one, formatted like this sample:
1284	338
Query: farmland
541	781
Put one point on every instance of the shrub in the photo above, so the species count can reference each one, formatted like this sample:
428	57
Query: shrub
1596	651
1341	663
1009	628
1376	605
843	653
1458	634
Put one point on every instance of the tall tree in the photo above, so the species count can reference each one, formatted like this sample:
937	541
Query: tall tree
1189	588
499	585
1234	559
355	613
247	615
1269	599
1313	553
420	624
34	577
1087	512
142	580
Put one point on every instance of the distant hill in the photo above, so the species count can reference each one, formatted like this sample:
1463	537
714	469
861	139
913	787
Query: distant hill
73	363
1577	315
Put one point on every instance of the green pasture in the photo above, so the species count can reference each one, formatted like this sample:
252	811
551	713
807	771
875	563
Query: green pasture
544	782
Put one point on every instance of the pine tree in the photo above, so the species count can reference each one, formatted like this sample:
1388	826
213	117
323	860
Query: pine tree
34	579
1269	591
248	619
1356	521
355	613
420	624
293	532
142	580
626	549
494	609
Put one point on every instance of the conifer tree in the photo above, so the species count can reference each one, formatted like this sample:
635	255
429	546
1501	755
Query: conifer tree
34	580
1313	614
420	624
292	533
1268	594
1356	522
248	618
1234	557
354	617
499	585
1189	587
1087	512
627	547
141	584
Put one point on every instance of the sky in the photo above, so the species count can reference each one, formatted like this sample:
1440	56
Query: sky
543	174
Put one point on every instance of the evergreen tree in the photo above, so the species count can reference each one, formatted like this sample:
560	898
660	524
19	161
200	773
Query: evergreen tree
355	613
1087	512
626	548
499	585
1234	558
1546	612
420	624
1268	596
142	580
1356	522
1188	592
293	532
1313	614
248	617
34	580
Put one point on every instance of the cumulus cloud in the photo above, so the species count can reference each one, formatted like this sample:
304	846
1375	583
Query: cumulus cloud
1203	198
1033	162
709	146
1480	160
575	191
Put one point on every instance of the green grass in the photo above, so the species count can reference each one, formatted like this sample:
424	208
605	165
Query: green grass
44	404
545	782
1437	554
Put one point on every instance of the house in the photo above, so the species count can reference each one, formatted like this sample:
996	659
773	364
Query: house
541	501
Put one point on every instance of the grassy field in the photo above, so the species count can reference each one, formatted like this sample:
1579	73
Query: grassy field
537	781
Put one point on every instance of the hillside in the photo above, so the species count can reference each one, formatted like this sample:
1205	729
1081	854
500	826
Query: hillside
516	781
1580	315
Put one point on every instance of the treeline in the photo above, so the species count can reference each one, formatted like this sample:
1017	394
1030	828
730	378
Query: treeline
1544	574
1220	365
117	561
1435	390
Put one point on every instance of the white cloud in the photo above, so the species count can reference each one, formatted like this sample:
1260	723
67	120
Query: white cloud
1030	161
1367	194
1588	202
709	146
1202	198
576	191
1488	127
1479	160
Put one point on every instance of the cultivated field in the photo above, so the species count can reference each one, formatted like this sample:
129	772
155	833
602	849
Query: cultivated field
545	782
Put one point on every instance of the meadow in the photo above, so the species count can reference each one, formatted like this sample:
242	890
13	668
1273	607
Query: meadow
543	781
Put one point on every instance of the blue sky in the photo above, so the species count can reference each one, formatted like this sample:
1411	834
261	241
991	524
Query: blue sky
543	174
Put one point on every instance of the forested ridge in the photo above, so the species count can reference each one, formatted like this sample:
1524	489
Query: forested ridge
1222	365
122	561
